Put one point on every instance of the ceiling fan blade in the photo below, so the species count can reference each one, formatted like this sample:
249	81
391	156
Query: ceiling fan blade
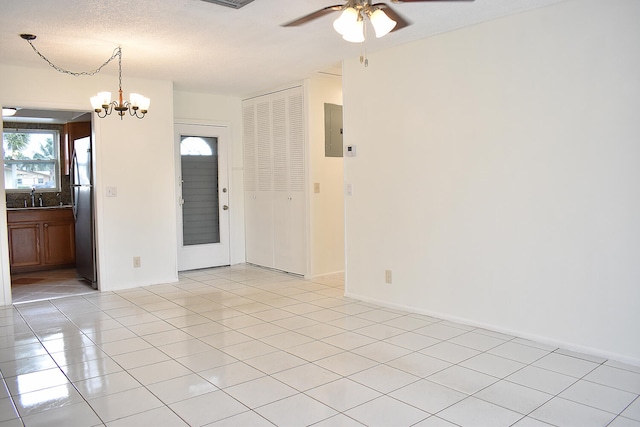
422	1
314	15
400	21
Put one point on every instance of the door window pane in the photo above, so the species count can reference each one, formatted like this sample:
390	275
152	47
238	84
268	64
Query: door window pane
200	209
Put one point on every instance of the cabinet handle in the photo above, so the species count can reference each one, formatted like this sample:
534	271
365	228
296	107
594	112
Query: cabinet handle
46	225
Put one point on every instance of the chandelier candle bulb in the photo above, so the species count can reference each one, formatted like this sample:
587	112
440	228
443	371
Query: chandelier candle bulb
144	104
96	103
135	100
105	97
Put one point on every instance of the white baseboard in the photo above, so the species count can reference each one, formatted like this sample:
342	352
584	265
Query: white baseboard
601	353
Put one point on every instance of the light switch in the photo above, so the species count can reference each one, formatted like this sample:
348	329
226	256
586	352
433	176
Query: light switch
112	191
316	187
349	189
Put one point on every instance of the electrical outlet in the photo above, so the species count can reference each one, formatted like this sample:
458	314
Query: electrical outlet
316	187
387	276
136	262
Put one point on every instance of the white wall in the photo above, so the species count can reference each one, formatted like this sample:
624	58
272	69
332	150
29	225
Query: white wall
199	108
5	273
135	156
326	212
497	176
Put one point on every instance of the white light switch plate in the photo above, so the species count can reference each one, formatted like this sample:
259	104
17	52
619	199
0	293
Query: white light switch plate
112	191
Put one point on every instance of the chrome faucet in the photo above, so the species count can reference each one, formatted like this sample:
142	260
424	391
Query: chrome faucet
40	200
59	199
33	197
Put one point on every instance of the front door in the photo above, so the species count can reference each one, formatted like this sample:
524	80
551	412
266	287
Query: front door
203	196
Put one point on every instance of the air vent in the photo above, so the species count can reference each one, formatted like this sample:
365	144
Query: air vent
236	4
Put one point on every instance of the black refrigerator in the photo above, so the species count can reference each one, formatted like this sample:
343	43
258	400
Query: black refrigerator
82	202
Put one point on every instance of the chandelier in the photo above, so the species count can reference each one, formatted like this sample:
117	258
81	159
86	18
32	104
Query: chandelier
103	105
137	105
350	24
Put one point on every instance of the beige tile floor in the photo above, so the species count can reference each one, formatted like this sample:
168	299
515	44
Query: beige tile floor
43	285
242	346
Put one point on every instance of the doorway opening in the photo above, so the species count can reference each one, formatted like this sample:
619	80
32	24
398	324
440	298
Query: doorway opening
44	242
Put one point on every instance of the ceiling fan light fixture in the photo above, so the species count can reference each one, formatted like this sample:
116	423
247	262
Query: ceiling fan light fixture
348	18
8	112
355	33
381	23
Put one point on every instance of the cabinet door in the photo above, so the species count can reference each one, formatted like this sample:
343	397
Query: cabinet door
24	244
59	243
72	131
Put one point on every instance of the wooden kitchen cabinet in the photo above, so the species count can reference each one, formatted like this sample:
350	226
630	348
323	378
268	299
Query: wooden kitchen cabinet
41	239
59	243
24	245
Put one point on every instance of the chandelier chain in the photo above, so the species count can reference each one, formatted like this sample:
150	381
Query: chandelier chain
119	67
117	52
102	105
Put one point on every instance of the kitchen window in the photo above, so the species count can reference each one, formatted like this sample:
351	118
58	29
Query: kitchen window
31	159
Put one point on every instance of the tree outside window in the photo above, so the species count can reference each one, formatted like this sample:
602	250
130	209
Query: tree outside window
30	159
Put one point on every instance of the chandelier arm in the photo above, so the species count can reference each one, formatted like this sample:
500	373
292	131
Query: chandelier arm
134	112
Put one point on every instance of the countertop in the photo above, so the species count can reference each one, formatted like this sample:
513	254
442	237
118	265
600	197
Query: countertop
38	208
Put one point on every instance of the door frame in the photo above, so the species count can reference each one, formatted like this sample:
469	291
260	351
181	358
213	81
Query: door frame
5	275
222	133
6	298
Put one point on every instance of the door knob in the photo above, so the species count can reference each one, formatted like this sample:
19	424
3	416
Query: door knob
225	207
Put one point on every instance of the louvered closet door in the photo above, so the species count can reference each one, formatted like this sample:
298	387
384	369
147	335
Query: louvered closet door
257	182
275	181
289	197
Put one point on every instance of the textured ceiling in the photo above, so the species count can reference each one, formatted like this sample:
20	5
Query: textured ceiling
205	47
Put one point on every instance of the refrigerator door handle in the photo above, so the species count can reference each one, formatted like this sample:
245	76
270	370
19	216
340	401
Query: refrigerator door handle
72	186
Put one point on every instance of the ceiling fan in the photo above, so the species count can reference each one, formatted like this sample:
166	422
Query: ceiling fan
350	24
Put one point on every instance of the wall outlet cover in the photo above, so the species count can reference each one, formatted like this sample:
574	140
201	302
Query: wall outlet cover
387	276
